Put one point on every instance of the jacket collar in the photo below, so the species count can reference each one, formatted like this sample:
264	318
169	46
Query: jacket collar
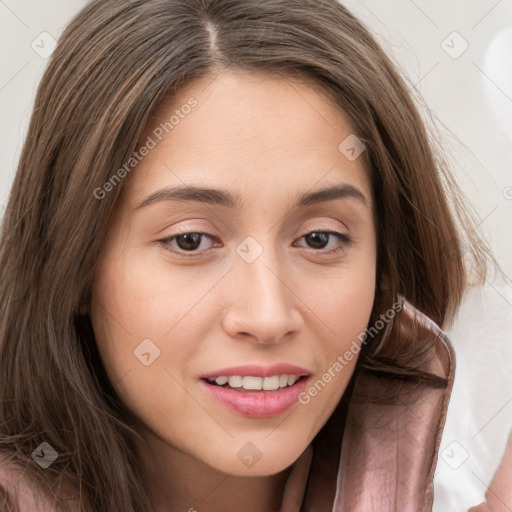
391	430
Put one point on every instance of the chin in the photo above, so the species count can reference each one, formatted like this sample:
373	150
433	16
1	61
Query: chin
258	459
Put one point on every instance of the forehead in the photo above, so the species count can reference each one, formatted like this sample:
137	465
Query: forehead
253	131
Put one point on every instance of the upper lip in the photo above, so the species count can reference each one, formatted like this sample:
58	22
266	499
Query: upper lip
258	371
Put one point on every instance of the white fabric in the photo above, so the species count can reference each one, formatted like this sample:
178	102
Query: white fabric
480	413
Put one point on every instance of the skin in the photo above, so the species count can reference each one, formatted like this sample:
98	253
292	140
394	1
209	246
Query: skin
269	140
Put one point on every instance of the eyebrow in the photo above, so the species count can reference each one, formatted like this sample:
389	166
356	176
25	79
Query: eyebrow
225	198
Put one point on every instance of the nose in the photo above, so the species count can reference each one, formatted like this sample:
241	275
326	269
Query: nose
262	301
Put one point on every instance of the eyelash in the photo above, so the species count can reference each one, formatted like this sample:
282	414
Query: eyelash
345	241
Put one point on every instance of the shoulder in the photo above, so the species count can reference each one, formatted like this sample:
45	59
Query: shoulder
10	477
15	488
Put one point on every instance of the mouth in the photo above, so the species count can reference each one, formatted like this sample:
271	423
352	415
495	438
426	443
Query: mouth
256	396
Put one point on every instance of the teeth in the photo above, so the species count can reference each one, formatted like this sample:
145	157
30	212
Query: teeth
256	383
291	380
235	381
271	383
252	382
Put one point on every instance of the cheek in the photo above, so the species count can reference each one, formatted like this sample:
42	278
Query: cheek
136	299
355	292
148	297
343	302
342	308
137	308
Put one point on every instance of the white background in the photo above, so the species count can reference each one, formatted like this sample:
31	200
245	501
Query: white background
470	95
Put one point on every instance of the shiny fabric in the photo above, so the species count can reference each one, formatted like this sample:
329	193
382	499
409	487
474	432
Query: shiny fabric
391	435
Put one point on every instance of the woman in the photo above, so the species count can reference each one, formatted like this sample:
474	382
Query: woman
225	258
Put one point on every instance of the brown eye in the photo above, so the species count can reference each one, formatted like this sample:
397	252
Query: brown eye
189	241
319	239
185	242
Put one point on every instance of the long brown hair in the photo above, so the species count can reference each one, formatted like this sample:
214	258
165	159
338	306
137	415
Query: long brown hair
113	65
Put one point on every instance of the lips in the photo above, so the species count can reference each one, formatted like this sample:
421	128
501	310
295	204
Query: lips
256	391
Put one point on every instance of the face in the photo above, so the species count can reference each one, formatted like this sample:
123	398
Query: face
260	280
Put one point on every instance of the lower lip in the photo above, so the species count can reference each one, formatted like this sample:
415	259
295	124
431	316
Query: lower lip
257	404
